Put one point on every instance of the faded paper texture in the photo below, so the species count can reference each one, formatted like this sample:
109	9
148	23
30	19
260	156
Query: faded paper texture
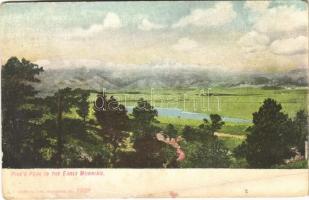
154	99
156	183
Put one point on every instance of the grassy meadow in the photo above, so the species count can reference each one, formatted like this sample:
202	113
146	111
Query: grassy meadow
228	102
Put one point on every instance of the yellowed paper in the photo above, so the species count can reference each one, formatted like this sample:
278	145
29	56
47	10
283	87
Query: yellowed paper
154	99
153	183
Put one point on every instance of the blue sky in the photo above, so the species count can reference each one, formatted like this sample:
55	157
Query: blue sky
232	35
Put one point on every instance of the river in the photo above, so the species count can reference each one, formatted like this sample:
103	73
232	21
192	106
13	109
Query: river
176	112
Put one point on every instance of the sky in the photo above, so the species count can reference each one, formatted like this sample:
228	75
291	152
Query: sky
228	35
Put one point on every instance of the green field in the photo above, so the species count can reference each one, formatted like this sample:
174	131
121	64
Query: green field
233	102
227	102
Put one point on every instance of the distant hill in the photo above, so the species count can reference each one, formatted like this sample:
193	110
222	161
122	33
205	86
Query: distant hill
164	75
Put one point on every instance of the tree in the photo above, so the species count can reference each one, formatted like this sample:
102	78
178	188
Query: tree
301	130
216	123
62	101
204	130
202	147
149	152
144	114
83	104
171	131
207	154
113	120
19	110
270	139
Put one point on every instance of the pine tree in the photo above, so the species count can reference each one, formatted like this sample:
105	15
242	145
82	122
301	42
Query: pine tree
19	111
113	120
271	137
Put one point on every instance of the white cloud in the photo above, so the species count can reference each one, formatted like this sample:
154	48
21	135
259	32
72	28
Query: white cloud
282	19
147	25
253	41
279	31
290	46
257	6
222	13
68	63
185	44
111	21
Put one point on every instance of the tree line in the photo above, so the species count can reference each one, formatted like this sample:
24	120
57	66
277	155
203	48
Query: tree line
42	132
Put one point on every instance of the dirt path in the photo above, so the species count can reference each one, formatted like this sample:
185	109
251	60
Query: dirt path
230	135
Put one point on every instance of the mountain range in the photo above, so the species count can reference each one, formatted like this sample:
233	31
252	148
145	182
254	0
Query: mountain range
164	75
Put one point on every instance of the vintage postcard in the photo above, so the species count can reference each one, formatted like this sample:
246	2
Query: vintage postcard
105	99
